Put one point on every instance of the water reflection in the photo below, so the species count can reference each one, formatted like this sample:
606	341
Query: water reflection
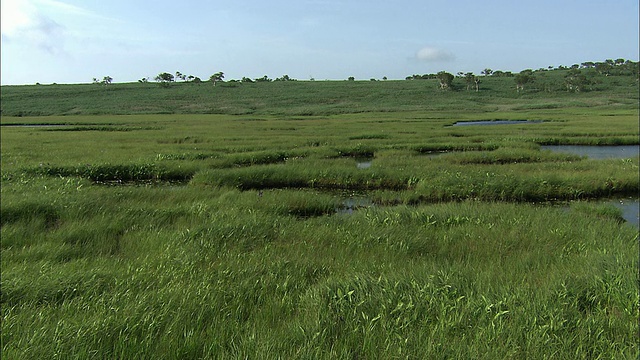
630	210
32	125
497	122
597	152
364	163
353	203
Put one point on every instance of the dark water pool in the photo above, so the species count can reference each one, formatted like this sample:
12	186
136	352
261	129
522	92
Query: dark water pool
353	203
497	122
33	125
364	163
597	152
630	210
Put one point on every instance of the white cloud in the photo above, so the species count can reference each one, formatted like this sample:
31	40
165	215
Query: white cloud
66	8
431	54
15	15
23	23
46	24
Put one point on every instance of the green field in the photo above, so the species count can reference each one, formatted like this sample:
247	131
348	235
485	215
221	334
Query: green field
317	220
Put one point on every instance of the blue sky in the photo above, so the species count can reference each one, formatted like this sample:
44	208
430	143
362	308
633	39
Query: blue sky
73	41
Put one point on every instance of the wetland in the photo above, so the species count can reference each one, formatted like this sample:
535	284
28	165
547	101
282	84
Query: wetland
319	220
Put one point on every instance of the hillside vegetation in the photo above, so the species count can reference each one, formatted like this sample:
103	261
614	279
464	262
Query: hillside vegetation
297	98
318	220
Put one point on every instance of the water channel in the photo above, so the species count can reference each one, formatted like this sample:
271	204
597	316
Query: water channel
630	210
497	122
629	207
364	162
597	152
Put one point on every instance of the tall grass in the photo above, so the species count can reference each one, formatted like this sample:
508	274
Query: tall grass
230	274
236	236
305	98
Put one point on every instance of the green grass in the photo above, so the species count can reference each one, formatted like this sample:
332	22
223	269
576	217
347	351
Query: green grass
310	98
215	236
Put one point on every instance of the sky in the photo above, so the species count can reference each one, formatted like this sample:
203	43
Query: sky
74	41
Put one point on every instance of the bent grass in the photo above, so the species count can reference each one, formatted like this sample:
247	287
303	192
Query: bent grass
246	256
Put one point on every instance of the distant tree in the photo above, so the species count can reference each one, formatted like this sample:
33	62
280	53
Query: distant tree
197	80
384	78
264	79
476	80
604	68
544	82
500	73
633	68
446	80
105	80
284	78
576	80
588	64
351	78
246	80
180	76
164	79
619	62
523	78
143	80
216	77
469	79
487	72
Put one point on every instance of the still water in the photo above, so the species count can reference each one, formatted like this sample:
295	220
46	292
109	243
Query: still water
630	210
597	152
497	122
364	163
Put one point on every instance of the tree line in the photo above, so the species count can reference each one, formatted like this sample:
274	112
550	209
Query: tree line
578	77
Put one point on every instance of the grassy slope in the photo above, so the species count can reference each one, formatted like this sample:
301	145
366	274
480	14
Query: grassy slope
307	98
206	270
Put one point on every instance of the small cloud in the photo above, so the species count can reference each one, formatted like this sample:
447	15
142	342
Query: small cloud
47	34
16	15
23	23
431	54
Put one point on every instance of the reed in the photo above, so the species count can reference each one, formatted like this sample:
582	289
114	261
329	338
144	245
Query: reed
258	236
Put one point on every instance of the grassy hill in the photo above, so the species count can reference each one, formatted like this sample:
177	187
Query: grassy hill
298	98
317	220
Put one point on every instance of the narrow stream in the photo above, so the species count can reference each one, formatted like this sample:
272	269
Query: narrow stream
496	122
597	152
630	210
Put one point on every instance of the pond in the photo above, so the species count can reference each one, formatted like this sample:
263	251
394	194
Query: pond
364	162
629	207
597	152
32	125
630	210
353	203
497	122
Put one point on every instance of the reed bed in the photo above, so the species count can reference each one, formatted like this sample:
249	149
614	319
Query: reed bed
260	236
